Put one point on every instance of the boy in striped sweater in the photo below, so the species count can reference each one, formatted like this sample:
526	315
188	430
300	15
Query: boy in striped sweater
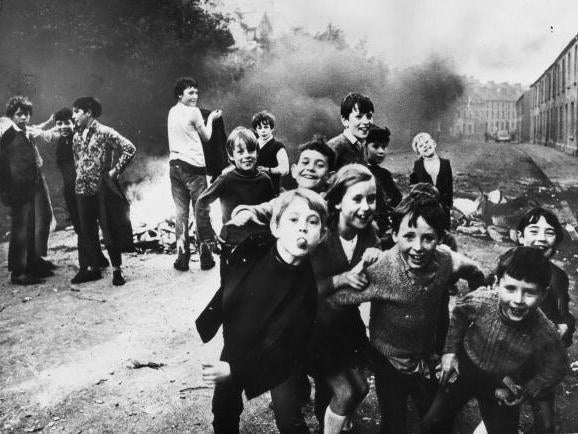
495	334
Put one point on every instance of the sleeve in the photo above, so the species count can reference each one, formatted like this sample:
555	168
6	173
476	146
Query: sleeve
467	269
376	290
202	217
552	363
124	146
562	298
450	185
260	213
413	178
462	316
44	137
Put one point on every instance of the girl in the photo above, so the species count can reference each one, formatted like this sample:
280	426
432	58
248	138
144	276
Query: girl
339	338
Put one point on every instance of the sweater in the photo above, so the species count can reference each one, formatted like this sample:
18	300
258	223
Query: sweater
346	152
232	189
405	307
502	347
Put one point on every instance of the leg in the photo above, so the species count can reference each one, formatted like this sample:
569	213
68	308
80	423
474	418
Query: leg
227	407
43	216
323	396
182	200
423	392
544	410
287	401
392	393
196	185
70	201
498	419
88	212
349	387
21	233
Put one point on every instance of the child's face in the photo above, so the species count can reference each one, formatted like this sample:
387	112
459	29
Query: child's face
517	298
264	131
311	170
416	244
190	96
541	235
357	206
65	127
21	118
358	123
298	231
376	152
242	158
81	117
426	147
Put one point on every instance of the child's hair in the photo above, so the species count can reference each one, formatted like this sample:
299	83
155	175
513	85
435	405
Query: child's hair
424	189
184	83
63	115
424	205
352	99
18	102
525	263
378	135
319	144
241	135
347	176
314	200
89	103
420	138
263	117
534	215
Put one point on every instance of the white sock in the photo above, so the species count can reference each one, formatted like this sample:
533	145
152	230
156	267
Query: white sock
333	422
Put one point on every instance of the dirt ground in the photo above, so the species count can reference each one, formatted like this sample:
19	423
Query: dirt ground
68	352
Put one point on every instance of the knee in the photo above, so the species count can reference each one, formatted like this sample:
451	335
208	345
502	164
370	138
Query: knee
350	396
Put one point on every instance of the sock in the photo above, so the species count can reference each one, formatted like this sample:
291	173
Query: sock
333	422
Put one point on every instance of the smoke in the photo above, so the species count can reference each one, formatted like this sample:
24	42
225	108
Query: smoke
302	79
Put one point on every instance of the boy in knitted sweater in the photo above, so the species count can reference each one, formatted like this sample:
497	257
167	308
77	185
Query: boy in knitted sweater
408	288
495	334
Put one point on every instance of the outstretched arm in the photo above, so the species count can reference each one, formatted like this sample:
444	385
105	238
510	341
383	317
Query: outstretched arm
205	130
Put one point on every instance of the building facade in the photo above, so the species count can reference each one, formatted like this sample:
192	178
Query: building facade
523	116
553	102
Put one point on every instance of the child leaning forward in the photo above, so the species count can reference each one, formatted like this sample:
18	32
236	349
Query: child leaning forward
267	305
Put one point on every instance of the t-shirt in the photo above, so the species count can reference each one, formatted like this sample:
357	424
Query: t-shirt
184	140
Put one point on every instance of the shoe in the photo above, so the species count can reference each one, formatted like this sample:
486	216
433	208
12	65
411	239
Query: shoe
24	279
103	262
40	272
182	262
118	278
86	276
206	257
47	264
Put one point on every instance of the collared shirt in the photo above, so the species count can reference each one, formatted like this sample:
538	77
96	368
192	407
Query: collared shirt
91	148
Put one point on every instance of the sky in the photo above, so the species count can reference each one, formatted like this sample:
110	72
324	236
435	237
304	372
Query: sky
499	40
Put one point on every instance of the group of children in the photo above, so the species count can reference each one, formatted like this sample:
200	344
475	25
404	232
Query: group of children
296	266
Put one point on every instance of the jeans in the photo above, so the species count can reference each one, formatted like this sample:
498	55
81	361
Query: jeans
187	183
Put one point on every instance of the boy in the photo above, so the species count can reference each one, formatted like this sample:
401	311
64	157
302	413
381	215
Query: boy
312	171
242	185
272	157
187	131
408	288
388	196
493	336
430	168
99	196
266	332
356	117
23	188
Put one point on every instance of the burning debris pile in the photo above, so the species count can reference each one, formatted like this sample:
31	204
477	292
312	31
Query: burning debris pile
159	238
490	215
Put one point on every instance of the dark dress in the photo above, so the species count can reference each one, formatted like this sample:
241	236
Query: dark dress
267	157
339	336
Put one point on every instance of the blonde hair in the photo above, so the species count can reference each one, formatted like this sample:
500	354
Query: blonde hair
420	138
314	201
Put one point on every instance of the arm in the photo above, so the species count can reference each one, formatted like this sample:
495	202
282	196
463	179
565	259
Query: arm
462	316
45	137
566	323
467	269
125	148
260	213
282	168
345	294
205	130
553	366
44	125
202	217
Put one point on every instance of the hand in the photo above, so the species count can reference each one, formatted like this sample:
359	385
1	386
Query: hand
450	368
264	169
506	397
562	329
357	281
215	114
215	372
113	174
370	256
241	218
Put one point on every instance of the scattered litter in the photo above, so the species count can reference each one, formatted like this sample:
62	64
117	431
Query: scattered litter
100	300
74	289
137	364
100	382
190	389
99	401
26	299
34	428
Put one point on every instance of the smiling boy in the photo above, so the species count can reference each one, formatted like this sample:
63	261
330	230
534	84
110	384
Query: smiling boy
356	117
495	333
407	288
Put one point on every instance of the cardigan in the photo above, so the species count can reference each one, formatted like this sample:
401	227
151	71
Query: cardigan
444	181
